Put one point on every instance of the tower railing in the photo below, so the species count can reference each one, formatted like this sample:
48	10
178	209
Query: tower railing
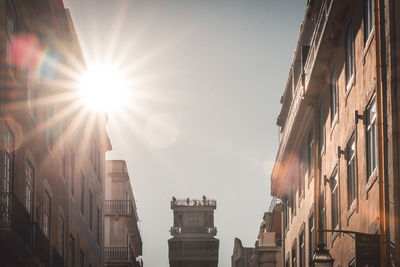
193	230
193	203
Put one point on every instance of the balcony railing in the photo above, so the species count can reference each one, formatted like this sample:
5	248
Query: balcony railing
193	230
13	216
121	207
316	39
118	255
41	245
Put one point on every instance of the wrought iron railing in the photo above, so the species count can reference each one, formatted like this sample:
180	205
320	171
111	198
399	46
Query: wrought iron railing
118	254
193	229
123	207
13	216
193	203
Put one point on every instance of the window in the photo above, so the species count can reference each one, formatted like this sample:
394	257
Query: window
371	139
302	244
335	199
294	254
321	129
286	215
349	53
6	168
82	194
311	236
71	171
95	158
310	153
368	19
46	214
82	259
29	178
8	161
90	210
333	91
351	171
293	201
61	235
302	170
63	165
11	26
71	251
98	225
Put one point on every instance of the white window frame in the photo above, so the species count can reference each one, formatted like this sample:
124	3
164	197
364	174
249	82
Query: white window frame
349	54
351	170
371	139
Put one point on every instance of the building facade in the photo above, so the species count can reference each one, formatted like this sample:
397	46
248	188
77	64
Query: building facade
122	241
336	168
52	159
241	256
268	247
193	243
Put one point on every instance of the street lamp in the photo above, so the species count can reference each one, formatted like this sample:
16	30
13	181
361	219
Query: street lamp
321	257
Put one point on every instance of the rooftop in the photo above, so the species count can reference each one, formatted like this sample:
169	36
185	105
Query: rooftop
204	202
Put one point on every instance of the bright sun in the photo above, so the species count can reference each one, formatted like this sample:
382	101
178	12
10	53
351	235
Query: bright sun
103	88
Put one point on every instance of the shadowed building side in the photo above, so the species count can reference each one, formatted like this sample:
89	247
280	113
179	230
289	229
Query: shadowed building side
52	164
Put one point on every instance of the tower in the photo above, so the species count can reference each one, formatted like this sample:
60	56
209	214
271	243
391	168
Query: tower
193	243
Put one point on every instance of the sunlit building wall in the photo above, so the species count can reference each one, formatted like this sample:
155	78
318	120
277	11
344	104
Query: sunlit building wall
122	240
328	171
52	150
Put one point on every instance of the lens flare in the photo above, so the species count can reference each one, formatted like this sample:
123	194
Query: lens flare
103	88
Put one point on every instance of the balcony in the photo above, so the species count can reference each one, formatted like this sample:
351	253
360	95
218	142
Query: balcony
41	245
306	89
56	259
193	230
118	255
118	207
14	217
316	39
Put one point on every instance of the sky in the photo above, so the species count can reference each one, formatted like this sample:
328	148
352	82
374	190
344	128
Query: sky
205	80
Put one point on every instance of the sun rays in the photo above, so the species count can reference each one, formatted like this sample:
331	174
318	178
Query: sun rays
103	88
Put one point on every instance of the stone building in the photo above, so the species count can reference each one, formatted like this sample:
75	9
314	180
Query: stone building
268	245
52	159
122	241
336	168
241	256
193	243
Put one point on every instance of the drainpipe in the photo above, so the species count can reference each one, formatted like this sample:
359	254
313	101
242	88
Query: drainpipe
381	145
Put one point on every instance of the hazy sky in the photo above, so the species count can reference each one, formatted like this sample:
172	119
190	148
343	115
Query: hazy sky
206	79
